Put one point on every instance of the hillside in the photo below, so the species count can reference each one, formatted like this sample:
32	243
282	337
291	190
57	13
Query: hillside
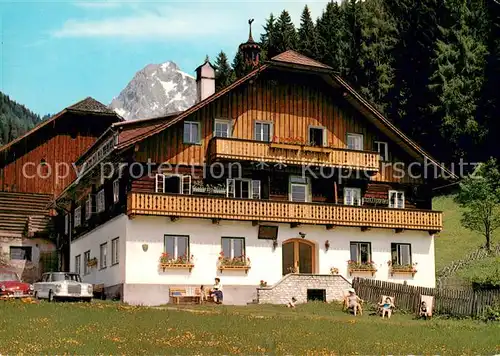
15	119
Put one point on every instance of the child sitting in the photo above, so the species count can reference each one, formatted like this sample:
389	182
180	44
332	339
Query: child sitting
386	307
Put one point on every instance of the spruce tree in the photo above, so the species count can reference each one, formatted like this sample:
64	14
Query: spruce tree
240	67
223	72
331	45
286	35
268	39
307	37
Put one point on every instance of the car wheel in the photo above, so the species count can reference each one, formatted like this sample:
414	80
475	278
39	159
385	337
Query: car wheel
51	296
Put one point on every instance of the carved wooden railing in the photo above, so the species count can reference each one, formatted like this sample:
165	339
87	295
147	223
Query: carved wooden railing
276	211
290	154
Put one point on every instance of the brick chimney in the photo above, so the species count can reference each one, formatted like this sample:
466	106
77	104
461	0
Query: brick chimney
205	80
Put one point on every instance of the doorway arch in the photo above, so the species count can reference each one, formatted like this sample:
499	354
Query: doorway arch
298	254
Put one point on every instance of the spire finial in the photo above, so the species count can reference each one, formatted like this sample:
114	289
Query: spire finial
250	38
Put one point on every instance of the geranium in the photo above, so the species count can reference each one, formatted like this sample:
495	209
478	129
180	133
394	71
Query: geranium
369	265
402	267
235	261
165	258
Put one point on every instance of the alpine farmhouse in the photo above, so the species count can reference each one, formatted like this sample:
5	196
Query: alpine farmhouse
287	177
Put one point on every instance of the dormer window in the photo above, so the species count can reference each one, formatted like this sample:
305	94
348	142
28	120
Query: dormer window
222	128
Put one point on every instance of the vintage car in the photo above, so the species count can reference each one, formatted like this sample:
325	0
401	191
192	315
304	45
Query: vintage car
62	285
11	285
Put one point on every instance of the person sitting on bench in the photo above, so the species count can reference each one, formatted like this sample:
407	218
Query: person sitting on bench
216	291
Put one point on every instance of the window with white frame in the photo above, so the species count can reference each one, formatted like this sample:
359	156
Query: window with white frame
396	199
78	261
115	251
100	201
355	142
191	132
116	191
243	188
233	246
383	149
78	216
173	184
361	252
401	254
263	131
317	136
66	224
222	128
88	207
299	189
86	259
176	246
103	249
352	196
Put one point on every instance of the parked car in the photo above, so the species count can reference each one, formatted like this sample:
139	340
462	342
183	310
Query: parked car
62	285
11	285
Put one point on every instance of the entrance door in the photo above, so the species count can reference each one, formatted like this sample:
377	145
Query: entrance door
298	256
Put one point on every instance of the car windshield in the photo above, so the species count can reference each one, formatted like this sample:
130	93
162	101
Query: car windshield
8	276
66	277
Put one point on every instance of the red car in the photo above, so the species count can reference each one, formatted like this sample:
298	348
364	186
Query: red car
11	285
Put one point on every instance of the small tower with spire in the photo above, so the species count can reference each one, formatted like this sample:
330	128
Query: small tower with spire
250	49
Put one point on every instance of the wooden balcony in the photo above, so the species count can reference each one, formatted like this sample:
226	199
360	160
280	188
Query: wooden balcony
290	154
278	211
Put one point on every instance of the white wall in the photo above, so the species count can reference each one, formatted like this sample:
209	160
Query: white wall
205	245
112	274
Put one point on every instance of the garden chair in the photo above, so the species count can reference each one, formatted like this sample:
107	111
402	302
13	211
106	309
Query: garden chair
382	302
429	302
345	305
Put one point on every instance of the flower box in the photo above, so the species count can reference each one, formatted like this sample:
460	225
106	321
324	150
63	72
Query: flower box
92	262
234	268
317	149
410	270
284	146
165	266
362	270
361	267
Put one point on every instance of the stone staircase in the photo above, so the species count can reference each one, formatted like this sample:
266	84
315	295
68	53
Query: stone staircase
24	214
301	286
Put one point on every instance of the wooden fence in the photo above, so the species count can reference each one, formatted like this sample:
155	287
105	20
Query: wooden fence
451	302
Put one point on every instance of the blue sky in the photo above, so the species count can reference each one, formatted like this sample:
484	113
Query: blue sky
54	53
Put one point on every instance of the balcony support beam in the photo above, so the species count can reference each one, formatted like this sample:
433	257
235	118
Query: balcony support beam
174	218
365	228
398	231
294	225
215	221
330	226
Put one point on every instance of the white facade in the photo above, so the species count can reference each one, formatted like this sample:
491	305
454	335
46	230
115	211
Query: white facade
142	242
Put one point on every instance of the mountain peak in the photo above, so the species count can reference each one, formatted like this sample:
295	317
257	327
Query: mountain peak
156	90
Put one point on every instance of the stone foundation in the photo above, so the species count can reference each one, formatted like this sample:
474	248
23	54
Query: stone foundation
296	285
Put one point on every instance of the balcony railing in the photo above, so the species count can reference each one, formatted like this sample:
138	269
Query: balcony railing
276	211
291	154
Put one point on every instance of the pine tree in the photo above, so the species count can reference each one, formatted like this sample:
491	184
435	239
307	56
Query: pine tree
460	60
268	39
240	67
331	45
373	71
223	72
286	35
350	14
307	36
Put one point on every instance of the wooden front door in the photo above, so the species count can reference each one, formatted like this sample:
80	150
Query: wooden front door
298	256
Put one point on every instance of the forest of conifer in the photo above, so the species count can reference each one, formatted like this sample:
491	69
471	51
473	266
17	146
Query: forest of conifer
431	66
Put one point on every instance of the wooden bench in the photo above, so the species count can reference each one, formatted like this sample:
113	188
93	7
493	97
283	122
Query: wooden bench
98	291
178	294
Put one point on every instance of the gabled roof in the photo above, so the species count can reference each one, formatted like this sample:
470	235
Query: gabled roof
293	57
87	105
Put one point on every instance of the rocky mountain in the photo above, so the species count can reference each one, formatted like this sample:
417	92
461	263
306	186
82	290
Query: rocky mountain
156	90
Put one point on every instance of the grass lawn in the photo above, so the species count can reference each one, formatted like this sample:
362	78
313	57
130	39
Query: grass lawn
314	329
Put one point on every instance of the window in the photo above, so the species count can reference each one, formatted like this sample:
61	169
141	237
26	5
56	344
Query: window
103	255
116	191
396	199
173	183
100	203
352	196
177	246
401	254
355	142
88	208
66	224
263	131
78	261
317	136
233	247
78	216
191	132
222	128
86	259
299	189
383	149
243	188
20	253
114	251
361	252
